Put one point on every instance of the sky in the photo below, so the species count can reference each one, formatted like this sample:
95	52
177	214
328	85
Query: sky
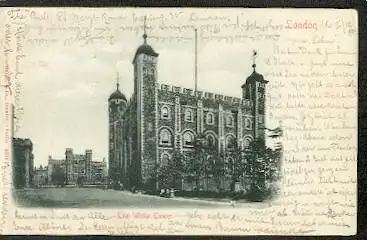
65	88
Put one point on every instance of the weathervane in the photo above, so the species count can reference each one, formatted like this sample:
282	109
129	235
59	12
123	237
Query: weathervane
253	59
117	80
145	30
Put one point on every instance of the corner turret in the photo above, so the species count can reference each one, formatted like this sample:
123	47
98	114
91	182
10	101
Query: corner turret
254	90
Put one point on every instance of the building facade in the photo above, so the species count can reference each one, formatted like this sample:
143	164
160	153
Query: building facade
98	172
40	176
159	119
77	168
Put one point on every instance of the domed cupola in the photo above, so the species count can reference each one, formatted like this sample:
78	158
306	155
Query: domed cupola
145	48
254	77
117	94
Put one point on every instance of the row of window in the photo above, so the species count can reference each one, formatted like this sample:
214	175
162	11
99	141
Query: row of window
165	139
209	119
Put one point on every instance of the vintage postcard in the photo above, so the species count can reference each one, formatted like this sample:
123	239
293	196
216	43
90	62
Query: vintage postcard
126	121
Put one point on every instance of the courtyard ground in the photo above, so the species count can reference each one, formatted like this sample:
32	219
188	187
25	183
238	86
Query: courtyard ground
104	198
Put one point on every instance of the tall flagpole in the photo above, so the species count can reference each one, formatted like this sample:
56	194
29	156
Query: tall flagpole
196	61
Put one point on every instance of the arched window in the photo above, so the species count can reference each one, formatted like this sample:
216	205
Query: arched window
230	144
210	118
230	121
150	126
165	112
228	162
246	143
165	157
148	70
248	123
189	115
188	138
165	137
211	140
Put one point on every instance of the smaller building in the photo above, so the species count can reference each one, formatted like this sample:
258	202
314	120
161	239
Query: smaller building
76	169
98	172
22	164
40	176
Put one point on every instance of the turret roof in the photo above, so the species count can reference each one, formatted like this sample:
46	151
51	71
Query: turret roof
256	77
117	95
145	49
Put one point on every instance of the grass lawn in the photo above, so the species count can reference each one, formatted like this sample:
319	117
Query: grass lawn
101	198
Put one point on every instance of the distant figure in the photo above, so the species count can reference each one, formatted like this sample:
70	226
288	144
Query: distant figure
161	194
233	203
172	193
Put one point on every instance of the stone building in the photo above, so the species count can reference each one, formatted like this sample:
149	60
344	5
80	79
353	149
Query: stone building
40	176
78	168
98	172
22	165
158	119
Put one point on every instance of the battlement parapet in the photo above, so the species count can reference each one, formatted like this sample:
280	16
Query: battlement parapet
22	142
228	98
69	150
236	100
188	91
164	87
204	95
176	89
208	95
246	102
219	97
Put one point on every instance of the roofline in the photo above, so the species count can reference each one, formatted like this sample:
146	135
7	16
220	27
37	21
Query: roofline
155	54
262	79
124	97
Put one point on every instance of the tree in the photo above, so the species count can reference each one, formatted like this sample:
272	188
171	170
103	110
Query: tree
176	167
265	167
218	170
164	176
198	166
169	172
58	176
273	164
235	164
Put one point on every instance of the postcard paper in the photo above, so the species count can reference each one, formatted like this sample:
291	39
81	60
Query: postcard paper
183	121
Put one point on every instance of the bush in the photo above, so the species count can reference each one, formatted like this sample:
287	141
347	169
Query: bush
256	194
238	195
203	194
152	192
